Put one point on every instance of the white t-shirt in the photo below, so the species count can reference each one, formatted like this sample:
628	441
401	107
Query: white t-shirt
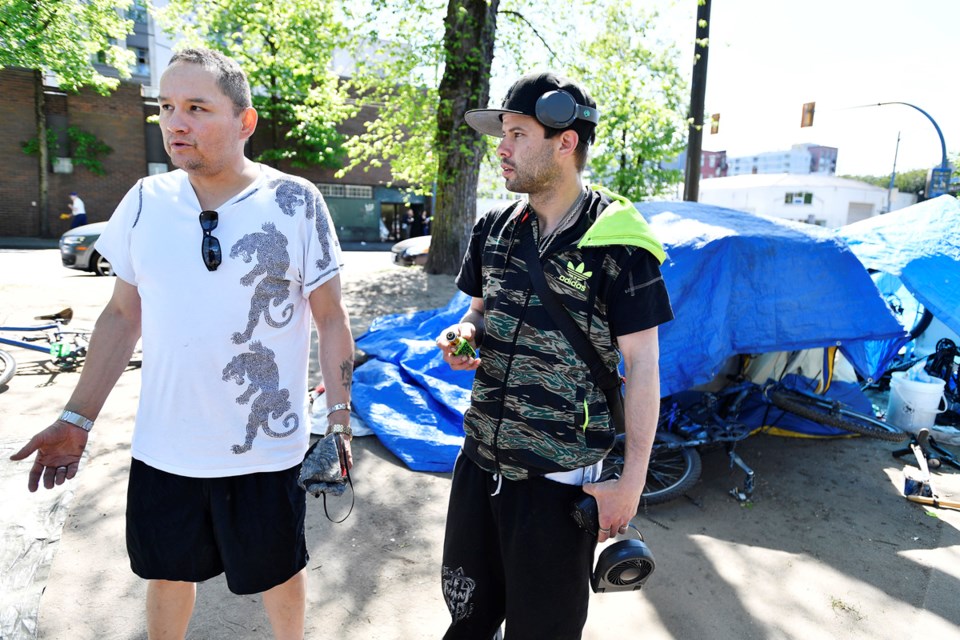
78	207
224	352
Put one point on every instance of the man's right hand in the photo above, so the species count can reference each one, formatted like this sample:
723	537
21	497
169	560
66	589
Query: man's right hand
58	448
465	330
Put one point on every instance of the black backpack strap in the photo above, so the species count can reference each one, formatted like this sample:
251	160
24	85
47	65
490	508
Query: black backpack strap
608	381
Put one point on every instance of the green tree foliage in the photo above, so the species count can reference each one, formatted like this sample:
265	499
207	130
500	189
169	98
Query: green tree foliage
423	75
87	148
419	65
641	97
286	47
63	38
398	56
913	181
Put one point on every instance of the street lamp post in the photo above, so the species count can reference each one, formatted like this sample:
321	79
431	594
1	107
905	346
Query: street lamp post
943	174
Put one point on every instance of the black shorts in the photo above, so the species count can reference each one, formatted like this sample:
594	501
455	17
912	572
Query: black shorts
193	529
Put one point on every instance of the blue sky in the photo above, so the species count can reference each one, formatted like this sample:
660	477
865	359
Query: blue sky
768	57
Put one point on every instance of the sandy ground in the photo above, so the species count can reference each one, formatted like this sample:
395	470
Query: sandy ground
828	549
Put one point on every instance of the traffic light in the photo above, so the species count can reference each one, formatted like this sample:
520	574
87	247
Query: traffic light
714	123
806	120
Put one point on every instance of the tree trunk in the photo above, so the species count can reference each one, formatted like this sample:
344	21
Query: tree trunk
470	30
43	218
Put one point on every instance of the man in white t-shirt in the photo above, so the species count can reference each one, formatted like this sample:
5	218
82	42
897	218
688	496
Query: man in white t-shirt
78	211
223	305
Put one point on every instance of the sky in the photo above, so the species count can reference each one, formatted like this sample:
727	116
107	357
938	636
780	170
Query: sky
768	57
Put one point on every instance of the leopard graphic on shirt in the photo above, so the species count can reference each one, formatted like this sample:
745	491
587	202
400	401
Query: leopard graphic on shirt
259	367
291	196
273	260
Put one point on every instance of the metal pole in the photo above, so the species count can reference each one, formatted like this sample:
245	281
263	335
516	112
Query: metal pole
698	90
943	145
893	175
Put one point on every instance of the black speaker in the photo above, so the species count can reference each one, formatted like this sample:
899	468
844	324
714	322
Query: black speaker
558	109
622	566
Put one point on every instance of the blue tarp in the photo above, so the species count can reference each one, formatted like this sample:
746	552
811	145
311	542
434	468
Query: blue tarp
921	245
739	283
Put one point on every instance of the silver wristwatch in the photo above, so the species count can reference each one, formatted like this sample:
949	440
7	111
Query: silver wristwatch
77	420
340	428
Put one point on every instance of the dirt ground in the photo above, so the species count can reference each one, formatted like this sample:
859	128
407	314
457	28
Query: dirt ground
829	548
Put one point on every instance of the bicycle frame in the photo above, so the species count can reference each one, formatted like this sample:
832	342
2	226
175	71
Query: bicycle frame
66	349
29	345
693	420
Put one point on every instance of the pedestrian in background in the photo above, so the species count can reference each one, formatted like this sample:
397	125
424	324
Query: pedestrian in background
78	211
224	306
538	425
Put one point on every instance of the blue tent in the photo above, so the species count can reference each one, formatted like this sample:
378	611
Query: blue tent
919	244
739	283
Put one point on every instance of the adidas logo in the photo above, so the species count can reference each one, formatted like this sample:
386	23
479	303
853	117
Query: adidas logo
576	277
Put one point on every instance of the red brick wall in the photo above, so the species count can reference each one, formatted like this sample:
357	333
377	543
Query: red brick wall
117	119
18	180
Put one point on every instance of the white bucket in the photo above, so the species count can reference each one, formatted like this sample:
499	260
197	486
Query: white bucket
914	405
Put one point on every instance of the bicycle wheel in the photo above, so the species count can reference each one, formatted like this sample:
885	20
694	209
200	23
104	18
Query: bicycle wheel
835	414
8	367
672	470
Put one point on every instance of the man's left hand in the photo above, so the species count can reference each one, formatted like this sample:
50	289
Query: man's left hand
617	504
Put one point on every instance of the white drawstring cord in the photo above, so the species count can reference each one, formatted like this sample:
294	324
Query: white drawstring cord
499	479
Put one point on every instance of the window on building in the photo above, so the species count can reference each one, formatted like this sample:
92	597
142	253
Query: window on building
356	191
141	64
137	11
798	198
331	190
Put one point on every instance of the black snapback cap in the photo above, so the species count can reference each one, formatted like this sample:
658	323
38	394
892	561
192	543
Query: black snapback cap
522	99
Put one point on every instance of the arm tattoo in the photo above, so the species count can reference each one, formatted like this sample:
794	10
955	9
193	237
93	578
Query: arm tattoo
346	374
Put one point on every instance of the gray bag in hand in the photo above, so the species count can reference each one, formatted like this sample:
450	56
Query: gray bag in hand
324	468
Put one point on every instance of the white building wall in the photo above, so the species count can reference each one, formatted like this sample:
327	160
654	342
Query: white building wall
823	200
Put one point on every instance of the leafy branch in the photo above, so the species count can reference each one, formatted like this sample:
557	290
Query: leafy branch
87	148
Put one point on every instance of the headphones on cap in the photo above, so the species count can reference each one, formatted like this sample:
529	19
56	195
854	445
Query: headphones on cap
558	110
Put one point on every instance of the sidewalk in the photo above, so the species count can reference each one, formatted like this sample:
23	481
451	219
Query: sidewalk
22	242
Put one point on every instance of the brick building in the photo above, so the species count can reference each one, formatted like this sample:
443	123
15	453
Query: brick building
118	120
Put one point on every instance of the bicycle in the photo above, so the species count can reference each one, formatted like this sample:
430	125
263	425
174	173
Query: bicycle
692	421
67	349
934	453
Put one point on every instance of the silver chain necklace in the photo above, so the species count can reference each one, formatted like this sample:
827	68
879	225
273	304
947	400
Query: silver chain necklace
564	222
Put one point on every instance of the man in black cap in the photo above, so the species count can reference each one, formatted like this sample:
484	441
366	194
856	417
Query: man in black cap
539	423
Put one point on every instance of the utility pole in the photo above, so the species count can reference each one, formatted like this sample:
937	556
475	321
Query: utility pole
698	91
893	175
